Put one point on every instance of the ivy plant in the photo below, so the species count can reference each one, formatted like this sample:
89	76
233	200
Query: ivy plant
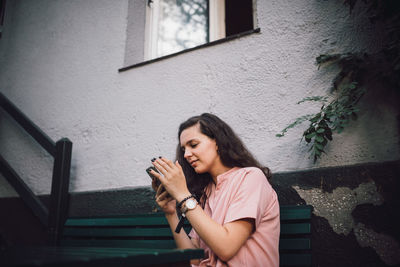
382	66
336	114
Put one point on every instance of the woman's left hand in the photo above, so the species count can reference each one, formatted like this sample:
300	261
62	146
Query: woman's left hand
173	178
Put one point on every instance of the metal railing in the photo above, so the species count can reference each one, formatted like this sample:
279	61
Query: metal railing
54	216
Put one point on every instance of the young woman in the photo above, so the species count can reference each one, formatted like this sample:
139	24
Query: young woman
223	192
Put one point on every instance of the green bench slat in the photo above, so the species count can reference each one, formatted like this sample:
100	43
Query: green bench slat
295	212
162	244
295	259
294	244
118	232
143	219
147	220
120	252
295	228
50	256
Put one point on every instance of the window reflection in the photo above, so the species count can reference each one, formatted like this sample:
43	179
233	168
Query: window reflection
181	24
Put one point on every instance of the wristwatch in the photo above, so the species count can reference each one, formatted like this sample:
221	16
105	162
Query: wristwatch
189	204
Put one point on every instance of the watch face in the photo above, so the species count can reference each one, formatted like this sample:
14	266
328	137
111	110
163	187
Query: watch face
191	203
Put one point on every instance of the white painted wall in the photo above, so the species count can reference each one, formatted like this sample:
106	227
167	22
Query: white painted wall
59	62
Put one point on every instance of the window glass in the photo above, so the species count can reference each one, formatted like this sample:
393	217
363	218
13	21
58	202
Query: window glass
182	24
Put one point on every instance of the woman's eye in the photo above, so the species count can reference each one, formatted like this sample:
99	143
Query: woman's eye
193	145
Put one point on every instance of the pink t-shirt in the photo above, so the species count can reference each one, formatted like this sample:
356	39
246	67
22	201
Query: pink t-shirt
245	193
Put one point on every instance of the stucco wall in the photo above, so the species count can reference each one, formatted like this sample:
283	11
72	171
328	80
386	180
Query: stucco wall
59	62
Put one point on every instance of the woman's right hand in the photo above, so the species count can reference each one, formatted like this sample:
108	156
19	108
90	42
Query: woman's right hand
164	200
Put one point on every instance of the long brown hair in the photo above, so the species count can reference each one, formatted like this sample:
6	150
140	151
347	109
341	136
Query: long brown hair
231	150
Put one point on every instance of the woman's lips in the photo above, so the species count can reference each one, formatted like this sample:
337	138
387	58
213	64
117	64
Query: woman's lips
193	163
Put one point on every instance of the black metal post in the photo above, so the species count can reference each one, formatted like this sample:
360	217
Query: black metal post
59	197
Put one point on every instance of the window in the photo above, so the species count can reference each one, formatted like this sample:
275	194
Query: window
158	28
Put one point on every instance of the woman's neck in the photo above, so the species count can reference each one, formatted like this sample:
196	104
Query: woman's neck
217	170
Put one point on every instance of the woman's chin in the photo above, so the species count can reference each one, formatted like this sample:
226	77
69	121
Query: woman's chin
198	170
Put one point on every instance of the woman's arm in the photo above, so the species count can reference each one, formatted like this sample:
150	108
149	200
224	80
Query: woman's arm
167	204
223	240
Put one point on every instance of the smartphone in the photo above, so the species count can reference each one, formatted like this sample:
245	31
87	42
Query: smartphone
153	177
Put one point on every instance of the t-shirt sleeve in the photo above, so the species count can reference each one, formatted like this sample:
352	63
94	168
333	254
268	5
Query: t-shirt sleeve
250	198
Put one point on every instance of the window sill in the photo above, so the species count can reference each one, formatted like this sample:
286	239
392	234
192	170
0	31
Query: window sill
227	39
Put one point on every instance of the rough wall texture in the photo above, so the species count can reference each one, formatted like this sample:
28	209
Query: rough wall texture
59	62
355	220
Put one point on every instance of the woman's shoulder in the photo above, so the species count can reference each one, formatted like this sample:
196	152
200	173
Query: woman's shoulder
254	171
251	174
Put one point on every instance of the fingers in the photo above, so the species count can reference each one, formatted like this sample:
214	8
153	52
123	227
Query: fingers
163	195
155	174
160	190
154	184
165	163
178	165
168	162
162	166
163	199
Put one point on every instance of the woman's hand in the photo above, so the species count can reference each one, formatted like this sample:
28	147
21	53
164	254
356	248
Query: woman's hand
164	200
173	179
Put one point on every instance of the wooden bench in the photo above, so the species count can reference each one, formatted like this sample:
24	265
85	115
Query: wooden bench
146	240
295	239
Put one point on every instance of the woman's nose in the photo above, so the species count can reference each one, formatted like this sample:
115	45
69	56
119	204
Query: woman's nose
187	154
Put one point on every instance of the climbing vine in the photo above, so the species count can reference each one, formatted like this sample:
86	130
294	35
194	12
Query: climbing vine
338	109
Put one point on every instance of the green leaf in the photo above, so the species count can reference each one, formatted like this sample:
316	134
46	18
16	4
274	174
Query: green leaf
320	130
319	146
322	99
316	118
326	58
295	123
319	139
324	142
311	135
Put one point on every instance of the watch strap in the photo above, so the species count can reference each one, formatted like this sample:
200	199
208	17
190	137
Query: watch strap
183	201
180	224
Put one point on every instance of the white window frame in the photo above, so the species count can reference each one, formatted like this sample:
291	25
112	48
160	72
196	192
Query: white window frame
217	19
216	25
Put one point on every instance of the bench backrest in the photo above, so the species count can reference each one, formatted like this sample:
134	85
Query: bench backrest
295	239
152	231
138	231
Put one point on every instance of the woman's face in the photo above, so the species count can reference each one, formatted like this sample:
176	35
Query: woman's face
199	150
